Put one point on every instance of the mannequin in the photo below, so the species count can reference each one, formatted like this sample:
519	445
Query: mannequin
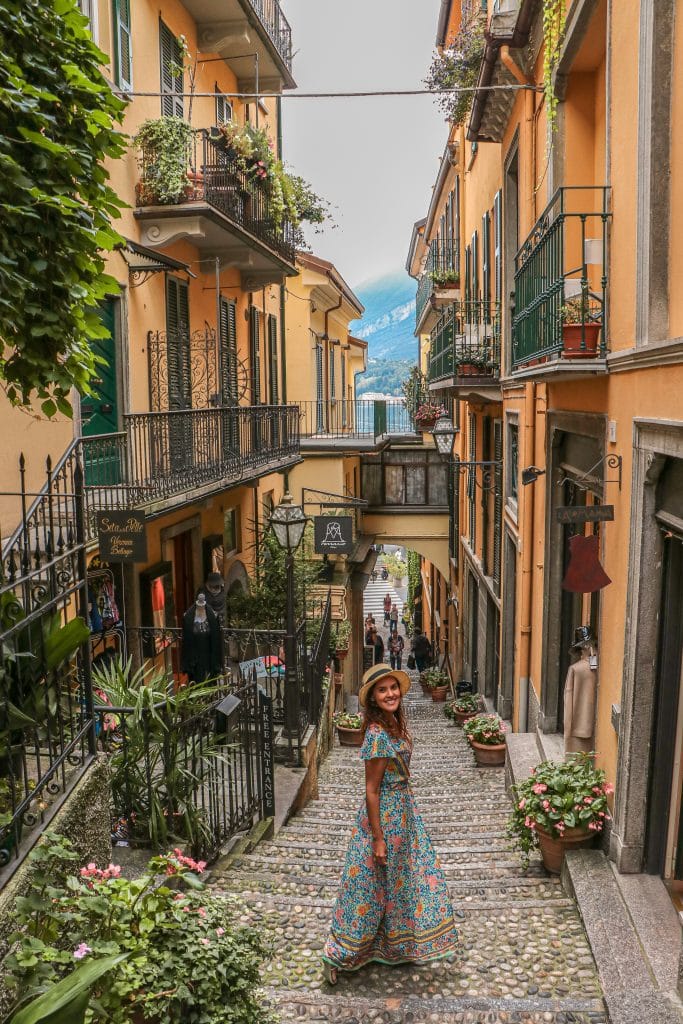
202	642
214	591
580	693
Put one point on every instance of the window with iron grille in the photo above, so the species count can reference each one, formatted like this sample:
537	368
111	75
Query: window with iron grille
171	57
497	504
223	108
486	264
475	266
456	224
498	245
228	352
343	389
471	478
123	45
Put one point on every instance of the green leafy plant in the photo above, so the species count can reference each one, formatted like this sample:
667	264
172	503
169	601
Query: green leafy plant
58	126
457	67
553	31
341	635
558	795
415	390
164	146
434	678
396	567
486	729
347	721
443	278
577	310
468	703
173	952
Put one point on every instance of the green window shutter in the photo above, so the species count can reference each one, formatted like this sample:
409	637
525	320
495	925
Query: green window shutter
178	344
272	359
123	45
255	356
475	266
228	352
497	503
485	261
170	54
498	245
333	375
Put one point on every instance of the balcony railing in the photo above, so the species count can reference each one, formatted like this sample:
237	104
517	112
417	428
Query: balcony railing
276	25
466	342
354	419
442	263
561	280
219	179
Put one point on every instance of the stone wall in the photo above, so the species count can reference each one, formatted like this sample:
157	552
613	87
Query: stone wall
85	819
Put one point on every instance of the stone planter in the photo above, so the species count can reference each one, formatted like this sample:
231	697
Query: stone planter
488	754
552	849
574	334
350	737
439	694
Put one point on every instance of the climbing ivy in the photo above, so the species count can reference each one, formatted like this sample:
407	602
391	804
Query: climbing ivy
58	122
413	561
553	11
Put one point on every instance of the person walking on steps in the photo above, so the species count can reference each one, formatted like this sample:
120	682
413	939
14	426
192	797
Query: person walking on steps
396	645
393	618
422	649
393	905
387	608
377	642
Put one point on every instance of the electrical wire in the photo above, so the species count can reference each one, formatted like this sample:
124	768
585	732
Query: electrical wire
504	87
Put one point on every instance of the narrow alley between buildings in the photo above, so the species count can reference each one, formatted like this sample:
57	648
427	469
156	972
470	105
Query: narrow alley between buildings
523	954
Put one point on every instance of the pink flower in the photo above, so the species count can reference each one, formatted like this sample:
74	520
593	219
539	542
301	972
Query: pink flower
608	789
588	799
560	826
81	951
204	942
521	805
220	931
546	805
601	814
202	912
595	826
539	788
596	789
529	823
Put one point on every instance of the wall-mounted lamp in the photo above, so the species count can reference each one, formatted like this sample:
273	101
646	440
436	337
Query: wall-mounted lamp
531	474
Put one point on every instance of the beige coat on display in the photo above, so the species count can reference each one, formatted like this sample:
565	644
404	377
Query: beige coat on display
580	691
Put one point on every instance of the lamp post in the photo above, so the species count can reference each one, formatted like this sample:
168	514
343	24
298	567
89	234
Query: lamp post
444	438
289	522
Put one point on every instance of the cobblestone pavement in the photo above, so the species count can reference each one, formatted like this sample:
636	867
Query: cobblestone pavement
523	956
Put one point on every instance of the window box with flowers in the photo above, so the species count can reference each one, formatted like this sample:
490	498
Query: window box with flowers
427	414
562	805
486	736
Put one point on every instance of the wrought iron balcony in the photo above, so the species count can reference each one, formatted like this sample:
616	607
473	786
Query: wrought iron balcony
355	419
226	197
465	344
276	25
438	285
561	283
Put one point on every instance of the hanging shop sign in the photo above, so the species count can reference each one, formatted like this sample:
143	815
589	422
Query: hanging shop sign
333	535
589	514
122	536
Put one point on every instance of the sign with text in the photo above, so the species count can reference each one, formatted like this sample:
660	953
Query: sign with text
589	514
333	535
122	536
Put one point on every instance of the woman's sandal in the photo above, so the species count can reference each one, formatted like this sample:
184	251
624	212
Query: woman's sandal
330	973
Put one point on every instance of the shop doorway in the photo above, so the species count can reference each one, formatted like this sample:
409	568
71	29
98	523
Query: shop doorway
664	845
473	632
183	572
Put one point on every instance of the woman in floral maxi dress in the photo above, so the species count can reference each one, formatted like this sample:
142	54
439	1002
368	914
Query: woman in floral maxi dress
393	905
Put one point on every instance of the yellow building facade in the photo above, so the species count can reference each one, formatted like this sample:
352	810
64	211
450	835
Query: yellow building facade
559	348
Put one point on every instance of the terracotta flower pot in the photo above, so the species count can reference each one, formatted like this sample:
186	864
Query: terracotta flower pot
552	849
574	334
439	694
341	654
488	754
464	716
350	737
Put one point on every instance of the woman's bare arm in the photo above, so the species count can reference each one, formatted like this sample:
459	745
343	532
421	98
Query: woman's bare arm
374	773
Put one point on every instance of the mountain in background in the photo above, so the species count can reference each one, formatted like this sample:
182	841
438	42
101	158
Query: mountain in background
389	319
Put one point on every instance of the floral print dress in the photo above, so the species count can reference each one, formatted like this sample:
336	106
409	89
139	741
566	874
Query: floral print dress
399	913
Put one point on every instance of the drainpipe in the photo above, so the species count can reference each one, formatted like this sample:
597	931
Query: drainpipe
326	336
528	540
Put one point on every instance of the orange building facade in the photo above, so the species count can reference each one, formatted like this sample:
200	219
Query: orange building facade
549	324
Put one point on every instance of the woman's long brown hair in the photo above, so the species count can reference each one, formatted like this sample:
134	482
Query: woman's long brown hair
395	723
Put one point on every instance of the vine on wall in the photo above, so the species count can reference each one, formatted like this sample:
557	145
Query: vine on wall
553	24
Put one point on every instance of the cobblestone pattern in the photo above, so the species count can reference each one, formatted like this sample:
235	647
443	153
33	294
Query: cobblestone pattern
523	955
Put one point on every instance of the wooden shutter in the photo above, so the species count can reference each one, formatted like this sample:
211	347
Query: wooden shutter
254	354
123	45
498	246
343	389
471	486
468	273
319	401
170	53
485	495
223	108
485	263
272	359
497	503
178	343
456	225
475	266
228	352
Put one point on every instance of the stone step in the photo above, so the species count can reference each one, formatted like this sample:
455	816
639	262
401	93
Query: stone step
444	846
469	865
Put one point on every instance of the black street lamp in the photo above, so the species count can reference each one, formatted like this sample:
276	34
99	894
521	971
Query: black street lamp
289	522
444	436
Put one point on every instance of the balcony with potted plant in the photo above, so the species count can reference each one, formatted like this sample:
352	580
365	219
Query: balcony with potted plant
439	284
465	348
561	288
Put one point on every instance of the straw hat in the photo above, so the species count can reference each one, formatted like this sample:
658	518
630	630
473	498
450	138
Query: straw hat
377	672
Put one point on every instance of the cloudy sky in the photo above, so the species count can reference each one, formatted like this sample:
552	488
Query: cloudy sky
374	159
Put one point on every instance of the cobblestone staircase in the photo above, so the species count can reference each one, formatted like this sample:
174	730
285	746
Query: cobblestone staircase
523	956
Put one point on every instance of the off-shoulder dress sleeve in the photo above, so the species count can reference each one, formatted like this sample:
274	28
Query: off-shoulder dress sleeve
377	743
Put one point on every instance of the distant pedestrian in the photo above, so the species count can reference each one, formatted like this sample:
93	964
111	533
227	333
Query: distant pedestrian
369	623
387	608
396	646
422	649
393	618
378	644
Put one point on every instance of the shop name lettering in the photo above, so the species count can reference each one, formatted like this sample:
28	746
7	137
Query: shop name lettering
131	526
590	514
121	546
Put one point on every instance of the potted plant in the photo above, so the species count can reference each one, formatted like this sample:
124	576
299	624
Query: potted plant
164	154
427	414
465	707
446	280
562	805
580	333
349	729
340	639
438	684
486	735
